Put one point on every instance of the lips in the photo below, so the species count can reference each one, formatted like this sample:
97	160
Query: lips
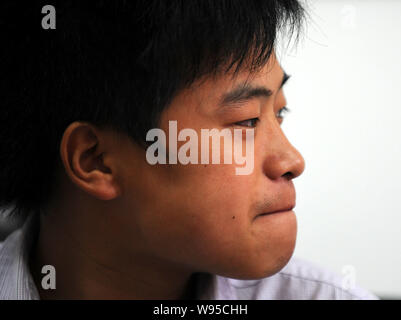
280	198
286	209
280	207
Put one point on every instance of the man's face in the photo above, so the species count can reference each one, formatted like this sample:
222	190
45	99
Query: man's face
206	218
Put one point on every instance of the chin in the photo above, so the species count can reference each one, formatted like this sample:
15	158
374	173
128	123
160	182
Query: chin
280	260
254	269
279	264
275	265
269	254
273	261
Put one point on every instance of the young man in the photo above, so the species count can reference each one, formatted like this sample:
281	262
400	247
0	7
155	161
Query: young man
79	105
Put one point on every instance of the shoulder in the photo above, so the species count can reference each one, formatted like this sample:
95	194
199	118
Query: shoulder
10	250
299	280
15	279
9	259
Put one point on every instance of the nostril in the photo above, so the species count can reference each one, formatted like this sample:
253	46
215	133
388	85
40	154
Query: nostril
288	175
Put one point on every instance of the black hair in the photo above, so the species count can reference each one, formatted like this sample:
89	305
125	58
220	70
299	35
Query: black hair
113	63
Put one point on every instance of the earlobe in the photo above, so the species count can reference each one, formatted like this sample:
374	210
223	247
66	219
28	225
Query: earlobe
82	152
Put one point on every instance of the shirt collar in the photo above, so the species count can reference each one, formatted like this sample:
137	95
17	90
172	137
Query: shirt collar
16	282
213	287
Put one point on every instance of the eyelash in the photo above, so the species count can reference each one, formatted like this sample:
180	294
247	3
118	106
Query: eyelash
241	123
281	111
280	115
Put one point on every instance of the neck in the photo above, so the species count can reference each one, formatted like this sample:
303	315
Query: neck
90	269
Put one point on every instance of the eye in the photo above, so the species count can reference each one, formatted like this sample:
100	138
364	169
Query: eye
280	114
251	123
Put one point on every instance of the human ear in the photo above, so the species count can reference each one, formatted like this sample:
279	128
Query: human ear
83	149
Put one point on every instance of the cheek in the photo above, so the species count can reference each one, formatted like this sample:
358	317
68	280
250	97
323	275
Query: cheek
203	210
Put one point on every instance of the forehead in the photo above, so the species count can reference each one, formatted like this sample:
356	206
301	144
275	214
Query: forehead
209	90
203	96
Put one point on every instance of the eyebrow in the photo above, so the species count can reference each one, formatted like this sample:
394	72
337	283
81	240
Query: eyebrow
244	92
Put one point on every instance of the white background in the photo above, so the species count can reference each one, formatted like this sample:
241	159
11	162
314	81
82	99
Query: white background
345	102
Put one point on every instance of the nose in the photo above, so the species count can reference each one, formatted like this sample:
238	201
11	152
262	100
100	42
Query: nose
282	159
